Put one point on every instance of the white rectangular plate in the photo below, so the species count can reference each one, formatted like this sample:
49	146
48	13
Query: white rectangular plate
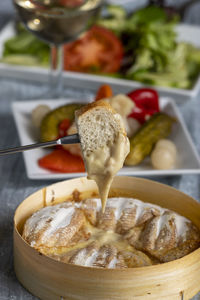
185	32
188	160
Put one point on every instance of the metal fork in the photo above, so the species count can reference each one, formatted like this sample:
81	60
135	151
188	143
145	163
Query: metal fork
70	139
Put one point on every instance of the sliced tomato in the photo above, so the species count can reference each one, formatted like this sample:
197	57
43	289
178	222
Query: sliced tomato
71	3
146	104
99	50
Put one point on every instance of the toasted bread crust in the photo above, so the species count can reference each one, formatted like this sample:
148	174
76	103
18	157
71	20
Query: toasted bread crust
93	105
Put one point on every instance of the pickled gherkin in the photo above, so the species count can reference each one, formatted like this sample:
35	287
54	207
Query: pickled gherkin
50	123
141	144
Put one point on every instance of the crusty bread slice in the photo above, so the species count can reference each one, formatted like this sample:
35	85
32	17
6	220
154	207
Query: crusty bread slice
104	143
98	125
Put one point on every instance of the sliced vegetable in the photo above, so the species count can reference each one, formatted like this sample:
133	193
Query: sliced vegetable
20	59
157	127
115	19
26	49
146	104
99	50
141	46
62	161
150	14
50	124
152	54
63	127
71	3
105	91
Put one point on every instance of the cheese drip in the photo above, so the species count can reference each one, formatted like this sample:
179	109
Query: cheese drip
104	144
104	163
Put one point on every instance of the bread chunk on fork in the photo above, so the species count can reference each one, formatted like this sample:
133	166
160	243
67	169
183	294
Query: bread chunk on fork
104	143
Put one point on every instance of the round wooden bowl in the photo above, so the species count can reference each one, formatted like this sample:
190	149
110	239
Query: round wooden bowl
49	279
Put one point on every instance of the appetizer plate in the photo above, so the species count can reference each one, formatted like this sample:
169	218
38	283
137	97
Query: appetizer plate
188	160
185	32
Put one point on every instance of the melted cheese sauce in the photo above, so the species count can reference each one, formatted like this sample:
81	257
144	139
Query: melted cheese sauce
109	237
104	163
100	236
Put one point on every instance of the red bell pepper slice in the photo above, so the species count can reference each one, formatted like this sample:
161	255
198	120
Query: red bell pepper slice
62	161
63	127
146	104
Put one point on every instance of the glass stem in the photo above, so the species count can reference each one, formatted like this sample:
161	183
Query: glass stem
56	82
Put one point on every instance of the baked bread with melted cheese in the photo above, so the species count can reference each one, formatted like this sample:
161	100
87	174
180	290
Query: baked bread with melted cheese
130	233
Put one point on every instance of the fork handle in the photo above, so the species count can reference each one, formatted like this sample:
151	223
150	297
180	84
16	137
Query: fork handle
70	139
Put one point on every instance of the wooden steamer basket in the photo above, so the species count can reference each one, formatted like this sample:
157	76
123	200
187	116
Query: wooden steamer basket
49	279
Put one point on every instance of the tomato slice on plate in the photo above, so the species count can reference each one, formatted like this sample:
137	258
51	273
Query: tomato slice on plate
71	3
99	50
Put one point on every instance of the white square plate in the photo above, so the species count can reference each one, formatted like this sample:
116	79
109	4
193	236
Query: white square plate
188	160
185	32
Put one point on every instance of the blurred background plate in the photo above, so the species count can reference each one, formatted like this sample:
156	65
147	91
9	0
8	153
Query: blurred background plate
185	32
188	161
129	4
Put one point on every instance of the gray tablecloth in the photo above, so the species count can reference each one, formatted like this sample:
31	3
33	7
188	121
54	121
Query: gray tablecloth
15	186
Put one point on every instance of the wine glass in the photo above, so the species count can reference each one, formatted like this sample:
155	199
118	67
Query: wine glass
57	22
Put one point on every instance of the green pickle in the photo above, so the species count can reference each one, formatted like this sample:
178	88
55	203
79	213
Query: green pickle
50	123
141	144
